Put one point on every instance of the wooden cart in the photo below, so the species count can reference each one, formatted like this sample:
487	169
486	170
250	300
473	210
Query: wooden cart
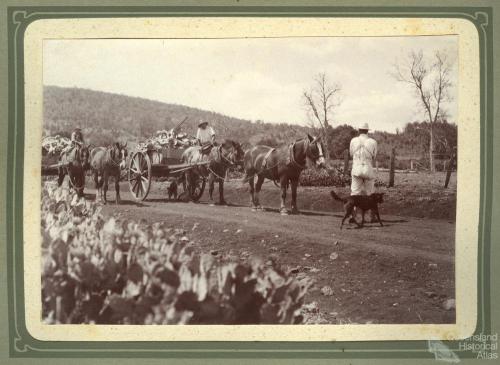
164	164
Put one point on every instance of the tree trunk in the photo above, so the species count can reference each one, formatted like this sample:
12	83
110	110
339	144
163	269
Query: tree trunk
432	167
326	144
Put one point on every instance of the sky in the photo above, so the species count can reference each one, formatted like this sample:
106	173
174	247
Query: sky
253	78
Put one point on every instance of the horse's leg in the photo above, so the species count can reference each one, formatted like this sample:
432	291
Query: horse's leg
81	183
117	188
284	186
105	178
96	179
294	183
99	186
252	192
211	183
174	189
96	183
60	178
258	187
222	201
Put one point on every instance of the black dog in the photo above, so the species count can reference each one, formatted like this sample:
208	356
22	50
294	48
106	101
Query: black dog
363	202
172	190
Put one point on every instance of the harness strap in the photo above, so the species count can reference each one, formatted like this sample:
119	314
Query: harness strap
264	162
292	157
222	157
111	159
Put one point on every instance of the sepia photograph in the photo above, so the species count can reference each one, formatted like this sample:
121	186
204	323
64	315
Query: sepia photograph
293	180
249	182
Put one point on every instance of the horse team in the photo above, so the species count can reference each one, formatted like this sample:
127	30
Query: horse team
282	165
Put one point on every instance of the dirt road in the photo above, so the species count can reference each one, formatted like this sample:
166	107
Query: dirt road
400	273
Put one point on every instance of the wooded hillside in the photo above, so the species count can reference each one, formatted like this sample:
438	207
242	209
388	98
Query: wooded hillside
106	117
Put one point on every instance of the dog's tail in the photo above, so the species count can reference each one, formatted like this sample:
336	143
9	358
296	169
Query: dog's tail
336	197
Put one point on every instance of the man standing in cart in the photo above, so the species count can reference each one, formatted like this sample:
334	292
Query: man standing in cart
205	136
76	141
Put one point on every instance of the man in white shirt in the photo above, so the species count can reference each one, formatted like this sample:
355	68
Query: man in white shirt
363	150
205	134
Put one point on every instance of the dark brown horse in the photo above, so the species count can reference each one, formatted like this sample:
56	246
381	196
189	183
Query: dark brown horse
222	157
283	164
74	163
219	166
106	162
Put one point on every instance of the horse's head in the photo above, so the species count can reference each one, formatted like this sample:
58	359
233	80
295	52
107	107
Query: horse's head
85	156
231	152
239	154
118	153
314	151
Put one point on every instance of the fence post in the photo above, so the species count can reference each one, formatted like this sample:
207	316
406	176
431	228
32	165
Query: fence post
346	162
391	167
449	169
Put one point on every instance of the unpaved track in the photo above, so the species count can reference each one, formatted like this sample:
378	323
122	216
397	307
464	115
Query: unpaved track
429	239
399	273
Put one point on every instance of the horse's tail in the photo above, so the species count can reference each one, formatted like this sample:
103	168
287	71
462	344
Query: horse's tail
336	197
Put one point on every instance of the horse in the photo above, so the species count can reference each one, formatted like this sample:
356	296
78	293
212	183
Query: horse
106	162
284	164
220	158
219	167
74	163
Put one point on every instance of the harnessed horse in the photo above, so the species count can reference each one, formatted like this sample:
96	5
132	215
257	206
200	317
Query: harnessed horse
228	154
106	162
74	163
284	164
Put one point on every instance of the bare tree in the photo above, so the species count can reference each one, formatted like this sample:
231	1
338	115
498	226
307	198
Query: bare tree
430	79
320	102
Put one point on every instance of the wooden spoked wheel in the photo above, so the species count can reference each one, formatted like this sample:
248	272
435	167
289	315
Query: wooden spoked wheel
139	175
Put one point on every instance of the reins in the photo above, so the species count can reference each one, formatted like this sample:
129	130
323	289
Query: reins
111	158
222	157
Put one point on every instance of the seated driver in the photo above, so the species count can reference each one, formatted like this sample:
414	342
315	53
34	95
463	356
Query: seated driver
205	136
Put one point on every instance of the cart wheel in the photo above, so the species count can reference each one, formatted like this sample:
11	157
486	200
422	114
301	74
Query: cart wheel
196	187
139	175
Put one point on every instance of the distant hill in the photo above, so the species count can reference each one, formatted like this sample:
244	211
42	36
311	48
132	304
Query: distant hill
106	117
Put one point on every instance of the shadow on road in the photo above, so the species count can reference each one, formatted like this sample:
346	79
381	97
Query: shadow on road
92	197
394	221
302	212
131	202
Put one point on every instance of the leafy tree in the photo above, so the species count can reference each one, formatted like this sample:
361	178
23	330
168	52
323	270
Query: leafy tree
340	139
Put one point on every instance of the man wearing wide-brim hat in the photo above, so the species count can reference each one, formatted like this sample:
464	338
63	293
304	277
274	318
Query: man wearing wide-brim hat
76	140
363	150
205	134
